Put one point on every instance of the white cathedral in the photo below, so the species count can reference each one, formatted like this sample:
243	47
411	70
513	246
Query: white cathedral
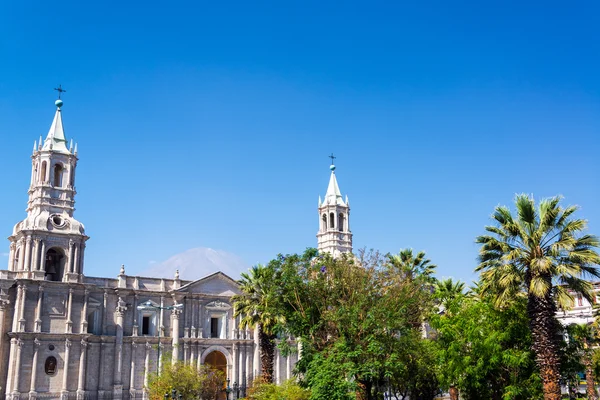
70	336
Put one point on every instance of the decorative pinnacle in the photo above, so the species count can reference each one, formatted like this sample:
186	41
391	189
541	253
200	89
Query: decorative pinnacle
60	91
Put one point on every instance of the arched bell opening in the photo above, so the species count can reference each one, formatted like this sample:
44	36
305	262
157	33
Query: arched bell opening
55	264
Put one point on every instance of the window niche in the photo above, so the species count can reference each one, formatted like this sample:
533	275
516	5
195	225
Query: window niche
50	366
148	323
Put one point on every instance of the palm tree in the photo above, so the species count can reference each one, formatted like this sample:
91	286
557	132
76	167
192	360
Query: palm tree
447	290
542	254
257	304
413	266
585	336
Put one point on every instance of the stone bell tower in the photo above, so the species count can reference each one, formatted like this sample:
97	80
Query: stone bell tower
49	243
334	234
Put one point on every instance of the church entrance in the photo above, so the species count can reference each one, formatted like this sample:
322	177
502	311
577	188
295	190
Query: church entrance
217	360
55	261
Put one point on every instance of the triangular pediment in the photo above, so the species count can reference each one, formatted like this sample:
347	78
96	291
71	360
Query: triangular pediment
215	284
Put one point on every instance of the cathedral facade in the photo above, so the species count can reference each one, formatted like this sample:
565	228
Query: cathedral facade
70	336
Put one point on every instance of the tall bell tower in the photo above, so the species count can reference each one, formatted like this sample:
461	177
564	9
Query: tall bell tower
49	243
334	234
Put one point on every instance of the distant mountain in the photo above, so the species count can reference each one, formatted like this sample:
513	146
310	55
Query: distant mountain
197	263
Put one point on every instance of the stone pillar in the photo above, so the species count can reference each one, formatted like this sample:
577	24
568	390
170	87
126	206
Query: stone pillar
241	364
161	324
16	309
22	320
100	377
249	352
104	313
3	304
118	371
277	366
34	368
35	262
147	364
192	354
11	257
70	259
186	353
69	323
65	382
76	259
132	391
38	309
84	322
175	329
43	257
200	351
82	375
193	331
234	364
17	372
135	315
21	255
288	367
27	265
81	258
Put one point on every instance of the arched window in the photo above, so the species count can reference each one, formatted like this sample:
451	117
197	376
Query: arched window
55	261
341	222
50	365
58	173
43	173
324	222
331	221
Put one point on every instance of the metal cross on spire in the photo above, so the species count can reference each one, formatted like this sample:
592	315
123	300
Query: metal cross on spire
332	158
60	90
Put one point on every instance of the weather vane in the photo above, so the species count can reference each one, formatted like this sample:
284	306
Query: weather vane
332	158
60	90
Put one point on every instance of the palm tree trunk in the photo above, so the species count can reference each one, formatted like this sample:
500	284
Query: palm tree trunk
267	354
589	378
544	334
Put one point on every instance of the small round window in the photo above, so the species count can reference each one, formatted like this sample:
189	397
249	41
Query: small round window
50	365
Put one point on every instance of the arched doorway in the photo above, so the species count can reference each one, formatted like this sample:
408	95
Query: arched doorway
217	360
55	261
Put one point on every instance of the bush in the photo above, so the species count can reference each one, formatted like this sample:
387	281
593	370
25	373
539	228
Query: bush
289	390
191	383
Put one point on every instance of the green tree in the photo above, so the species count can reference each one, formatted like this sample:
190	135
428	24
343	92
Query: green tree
258	306
539	254
288	390
583	337
352	316
447	291
191	383
484	351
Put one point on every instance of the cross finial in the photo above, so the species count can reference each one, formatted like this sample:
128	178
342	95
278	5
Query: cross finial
60	90
332	158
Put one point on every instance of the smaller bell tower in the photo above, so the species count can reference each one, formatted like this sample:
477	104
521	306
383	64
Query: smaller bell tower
334	234
49	243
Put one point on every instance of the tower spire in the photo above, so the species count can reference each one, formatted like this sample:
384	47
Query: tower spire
56	140
334	234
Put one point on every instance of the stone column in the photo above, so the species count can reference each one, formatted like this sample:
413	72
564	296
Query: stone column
11	257
193	332
81	258
17	372
104	313
42	264
70	259
186	353
3	304
175	329
249	352
22	320
84	322
288	368
65	382
100	377
76	259
135	315
82	375
132	391
241	363
16	309
36	255
200	351
118	371
38	309
34	368
21	255
192	354
234	358
161	324
27	265
147	364
69	323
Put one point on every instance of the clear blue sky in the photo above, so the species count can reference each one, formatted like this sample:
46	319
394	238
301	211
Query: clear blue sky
209	123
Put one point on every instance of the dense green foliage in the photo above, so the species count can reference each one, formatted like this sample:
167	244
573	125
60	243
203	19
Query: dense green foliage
289	390
187	380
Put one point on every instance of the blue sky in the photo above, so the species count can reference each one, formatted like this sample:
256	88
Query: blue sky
209	123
